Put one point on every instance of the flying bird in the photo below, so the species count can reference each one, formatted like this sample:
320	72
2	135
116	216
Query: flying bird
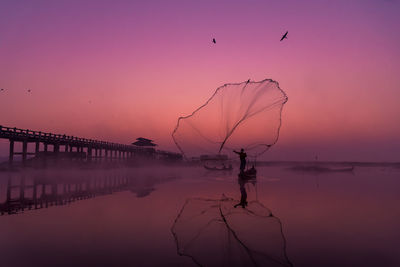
248	80
214	41
284	36
29	90
2	89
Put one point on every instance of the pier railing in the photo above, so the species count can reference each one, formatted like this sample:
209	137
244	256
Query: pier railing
32	136
86	149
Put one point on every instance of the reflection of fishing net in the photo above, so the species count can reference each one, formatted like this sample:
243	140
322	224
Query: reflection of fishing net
214	233
243	115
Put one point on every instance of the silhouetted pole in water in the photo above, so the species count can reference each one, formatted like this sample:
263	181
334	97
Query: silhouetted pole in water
89	154
37	144
11	155
24	151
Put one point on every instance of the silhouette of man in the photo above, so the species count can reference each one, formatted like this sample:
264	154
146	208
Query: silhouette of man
242	156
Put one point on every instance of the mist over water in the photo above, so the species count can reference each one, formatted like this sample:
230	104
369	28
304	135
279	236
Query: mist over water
125	216
91	92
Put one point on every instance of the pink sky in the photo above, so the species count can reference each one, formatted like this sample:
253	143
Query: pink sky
117	71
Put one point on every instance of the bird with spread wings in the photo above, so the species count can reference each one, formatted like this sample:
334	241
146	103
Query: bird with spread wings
284	36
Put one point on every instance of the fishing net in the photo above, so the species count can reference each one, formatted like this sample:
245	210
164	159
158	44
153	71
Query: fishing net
241	115
214	232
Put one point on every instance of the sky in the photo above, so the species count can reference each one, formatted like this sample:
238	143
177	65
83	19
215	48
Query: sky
118	70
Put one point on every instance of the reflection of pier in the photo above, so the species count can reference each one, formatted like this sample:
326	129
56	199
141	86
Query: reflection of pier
22	192
57	147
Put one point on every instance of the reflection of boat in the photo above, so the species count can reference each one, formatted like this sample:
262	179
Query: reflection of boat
223	168
321	169
248	174
216	162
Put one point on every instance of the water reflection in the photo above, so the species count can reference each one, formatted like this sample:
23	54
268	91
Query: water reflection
243	193
24	191
213	232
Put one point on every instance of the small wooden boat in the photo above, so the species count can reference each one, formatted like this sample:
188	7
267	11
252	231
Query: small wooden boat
248	174
321	169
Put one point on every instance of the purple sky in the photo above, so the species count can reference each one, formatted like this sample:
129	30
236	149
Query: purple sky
116	70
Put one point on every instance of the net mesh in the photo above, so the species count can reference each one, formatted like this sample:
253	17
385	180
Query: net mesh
238	115
212	232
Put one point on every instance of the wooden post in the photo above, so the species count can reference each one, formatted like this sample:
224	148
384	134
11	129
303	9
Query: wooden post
56	150
79	150
37	149
22	192
11	156
89	154
24	151
45	147
96	152
34	194
8	190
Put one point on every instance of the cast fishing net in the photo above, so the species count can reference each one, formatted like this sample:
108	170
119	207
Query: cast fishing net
212	232
238	115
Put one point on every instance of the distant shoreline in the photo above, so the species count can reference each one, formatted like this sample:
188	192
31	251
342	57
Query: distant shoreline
295	162
341	163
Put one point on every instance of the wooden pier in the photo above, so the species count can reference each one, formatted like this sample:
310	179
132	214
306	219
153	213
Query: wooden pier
61	146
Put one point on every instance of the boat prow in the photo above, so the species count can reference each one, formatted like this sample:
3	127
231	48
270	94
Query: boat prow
248	174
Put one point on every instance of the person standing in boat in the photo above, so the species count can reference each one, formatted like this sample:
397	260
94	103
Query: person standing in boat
242	156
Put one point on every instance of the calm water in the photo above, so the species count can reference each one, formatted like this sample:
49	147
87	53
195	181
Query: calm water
126	217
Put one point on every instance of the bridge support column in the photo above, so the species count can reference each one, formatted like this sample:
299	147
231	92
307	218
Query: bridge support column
89	154
56	150
37	149
79	151
8	198
24	151
22	191
34	194
11	152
